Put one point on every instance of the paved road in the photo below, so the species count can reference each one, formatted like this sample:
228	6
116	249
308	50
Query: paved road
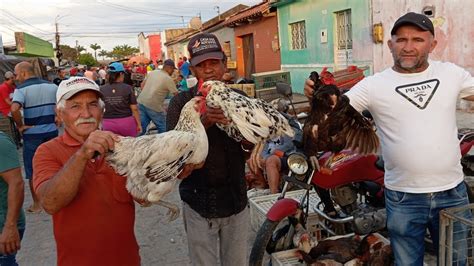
161	243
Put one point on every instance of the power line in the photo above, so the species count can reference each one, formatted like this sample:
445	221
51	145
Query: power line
5	12
136	10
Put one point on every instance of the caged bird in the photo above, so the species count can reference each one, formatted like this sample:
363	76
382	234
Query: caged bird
152	163
338	125
251	119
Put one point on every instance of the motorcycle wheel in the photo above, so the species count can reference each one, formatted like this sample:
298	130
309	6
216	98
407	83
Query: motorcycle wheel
264	240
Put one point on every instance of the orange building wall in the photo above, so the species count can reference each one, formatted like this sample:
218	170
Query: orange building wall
264	32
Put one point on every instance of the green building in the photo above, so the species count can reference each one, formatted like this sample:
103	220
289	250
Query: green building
323	33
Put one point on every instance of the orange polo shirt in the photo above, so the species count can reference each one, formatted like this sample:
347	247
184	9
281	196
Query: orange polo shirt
97	227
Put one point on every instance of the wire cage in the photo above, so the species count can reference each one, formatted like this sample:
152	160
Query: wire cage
456	239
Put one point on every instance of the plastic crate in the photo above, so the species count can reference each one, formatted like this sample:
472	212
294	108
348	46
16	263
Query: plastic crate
450	250
266	80
287	257
259	207
290	257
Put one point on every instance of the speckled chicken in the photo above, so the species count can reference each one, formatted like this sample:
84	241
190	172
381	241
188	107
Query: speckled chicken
152	163
251	119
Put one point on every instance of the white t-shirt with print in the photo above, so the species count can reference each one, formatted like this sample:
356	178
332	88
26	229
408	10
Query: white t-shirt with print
415	116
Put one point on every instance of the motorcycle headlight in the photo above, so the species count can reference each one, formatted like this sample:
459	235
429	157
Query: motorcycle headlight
297	163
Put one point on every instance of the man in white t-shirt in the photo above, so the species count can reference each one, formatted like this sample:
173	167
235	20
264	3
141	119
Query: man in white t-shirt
414	107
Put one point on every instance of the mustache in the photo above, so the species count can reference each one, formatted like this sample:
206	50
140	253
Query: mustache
85	120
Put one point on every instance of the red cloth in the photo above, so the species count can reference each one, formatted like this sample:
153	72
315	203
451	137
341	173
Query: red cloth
97	227
5	91
142	70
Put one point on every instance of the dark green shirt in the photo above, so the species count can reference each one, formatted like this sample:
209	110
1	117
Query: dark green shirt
8	160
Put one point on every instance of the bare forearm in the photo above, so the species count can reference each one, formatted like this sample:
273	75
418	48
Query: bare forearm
16	191
58	192
135	114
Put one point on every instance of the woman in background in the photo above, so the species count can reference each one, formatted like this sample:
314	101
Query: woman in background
121	111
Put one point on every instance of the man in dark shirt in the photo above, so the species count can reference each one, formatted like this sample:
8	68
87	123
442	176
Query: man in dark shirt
214	197
61	76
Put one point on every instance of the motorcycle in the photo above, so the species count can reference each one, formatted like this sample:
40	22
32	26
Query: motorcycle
356	188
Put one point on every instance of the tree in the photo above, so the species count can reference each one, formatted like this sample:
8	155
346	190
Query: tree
95	47
80	49
104	54
87	59
68	52
123	51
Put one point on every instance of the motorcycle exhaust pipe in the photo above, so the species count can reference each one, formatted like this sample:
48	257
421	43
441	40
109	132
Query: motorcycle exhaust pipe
334	220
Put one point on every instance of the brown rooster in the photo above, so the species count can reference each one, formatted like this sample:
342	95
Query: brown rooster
333	123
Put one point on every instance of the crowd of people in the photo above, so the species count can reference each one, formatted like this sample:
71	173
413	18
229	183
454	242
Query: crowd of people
94	106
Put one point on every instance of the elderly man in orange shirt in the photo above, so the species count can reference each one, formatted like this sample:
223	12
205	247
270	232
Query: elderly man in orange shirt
93	214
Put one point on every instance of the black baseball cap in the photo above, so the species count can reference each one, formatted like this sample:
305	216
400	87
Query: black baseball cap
169	62
412	18
204	46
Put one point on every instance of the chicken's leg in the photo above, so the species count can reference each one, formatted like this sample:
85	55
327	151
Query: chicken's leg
173	210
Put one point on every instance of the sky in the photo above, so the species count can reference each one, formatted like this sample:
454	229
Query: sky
105	22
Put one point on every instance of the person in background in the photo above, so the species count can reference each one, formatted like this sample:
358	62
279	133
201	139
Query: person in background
73	72
180	62
37	98
102	75
150	67
159	64
182	85
158	84
12	190
61	76
6	93
121	112
184	69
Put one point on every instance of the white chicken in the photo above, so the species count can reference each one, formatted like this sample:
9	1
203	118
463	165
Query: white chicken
251	119
152	163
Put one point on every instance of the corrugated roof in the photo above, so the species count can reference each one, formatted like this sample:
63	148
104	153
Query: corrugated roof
251	12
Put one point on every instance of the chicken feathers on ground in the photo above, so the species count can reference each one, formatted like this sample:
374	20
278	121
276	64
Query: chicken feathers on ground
251	119
152	163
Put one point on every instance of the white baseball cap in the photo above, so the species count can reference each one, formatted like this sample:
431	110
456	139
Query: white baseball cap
68	88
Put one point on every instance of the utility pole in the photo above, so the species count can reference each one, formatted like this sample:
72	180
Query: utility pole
182	19
217	8
59	54
77	48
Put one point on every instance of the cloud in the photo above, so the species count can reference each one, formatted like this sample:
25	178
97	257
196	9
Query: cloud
105	22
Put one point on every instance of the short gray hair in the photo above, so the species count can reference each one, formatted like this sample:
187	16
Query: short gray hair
62	104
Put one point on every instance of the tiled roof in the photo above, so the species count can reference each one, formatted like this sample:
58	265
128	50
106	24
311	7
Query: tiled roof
255	11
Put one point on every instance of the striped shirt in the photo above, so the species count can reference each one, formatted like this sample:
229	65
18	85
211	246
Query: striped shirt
38	99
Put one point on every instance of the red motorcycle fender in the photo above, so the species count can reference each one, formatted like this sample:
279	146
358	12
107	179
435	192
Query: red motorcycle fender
281	209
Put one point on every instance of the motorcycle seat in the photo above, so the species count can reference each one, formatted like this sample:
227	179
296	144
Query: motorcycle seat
380	164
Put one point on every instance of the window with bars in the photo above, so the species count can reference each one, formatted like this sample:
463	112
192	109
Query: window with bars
344	29
298	35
